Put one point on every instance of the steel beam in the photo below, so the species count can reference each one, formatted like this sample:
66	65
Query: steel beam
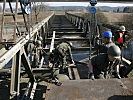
33	90
15	75
65	28
27	66
30	91
69	39
69	33
9	55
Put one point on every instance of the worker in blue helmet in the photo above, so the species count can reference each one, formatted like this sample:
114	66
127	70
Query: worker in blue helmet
107	34
107	42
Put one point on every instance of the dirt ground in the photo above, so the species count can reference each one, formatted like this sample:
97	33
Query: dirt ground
115	17
111	17
41	16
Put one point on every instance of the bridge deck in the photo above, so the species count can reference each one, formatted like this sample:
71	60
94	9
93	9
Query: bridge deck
79	87
111	89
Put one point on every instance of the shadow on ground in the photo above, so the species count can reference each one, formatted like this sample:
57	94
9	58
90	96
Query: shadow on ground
4	89
120	97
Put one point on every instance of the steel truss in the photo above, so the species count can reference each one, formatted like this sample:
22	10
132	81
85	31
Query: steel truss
19	58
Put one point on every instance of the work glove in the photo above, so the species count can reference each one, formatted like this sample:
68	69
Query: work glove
91	76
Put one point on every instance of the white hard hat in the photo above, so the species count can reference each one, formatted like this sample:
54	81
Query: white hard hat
123	28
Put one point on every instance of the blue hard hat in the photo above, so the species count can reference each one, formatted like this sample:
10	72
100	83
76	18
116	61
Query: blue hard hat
107	34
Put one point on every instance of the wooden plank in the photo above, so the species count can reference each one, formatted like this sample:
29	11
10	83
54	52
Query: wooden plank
76	74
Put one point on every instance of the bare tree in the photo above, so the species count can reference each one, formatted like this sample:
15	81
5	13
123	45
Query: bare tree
36	9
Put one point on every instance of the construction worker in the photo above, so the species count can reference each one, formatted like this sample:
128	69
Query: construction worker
62	54
107	42
36	52
100	66
119	36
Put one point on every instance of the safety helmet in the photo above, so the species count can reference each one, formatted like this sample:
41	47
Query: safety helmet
114	51
107	34
122	28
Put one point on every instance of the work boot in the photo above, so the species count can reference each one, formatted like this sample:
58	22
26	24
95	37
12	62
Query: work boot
91	76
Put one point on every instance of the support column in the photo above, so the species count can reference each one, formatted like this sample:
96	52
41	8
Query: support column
15	76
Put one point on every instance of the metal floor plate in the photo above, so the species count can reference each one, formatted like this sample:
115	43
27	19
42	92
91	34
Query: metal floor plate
111	89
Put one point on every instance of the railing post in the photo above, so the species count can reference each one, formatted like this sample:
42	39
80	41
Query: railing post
15	75
77	22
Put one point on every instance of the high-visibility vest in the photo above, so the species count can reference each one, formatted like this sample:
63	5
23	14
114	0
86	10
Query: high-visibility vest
120	39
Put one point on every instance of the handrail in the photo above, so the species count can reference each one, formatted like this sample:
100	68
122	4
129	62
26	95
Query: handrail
9	55
80	22
75	15
109	26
